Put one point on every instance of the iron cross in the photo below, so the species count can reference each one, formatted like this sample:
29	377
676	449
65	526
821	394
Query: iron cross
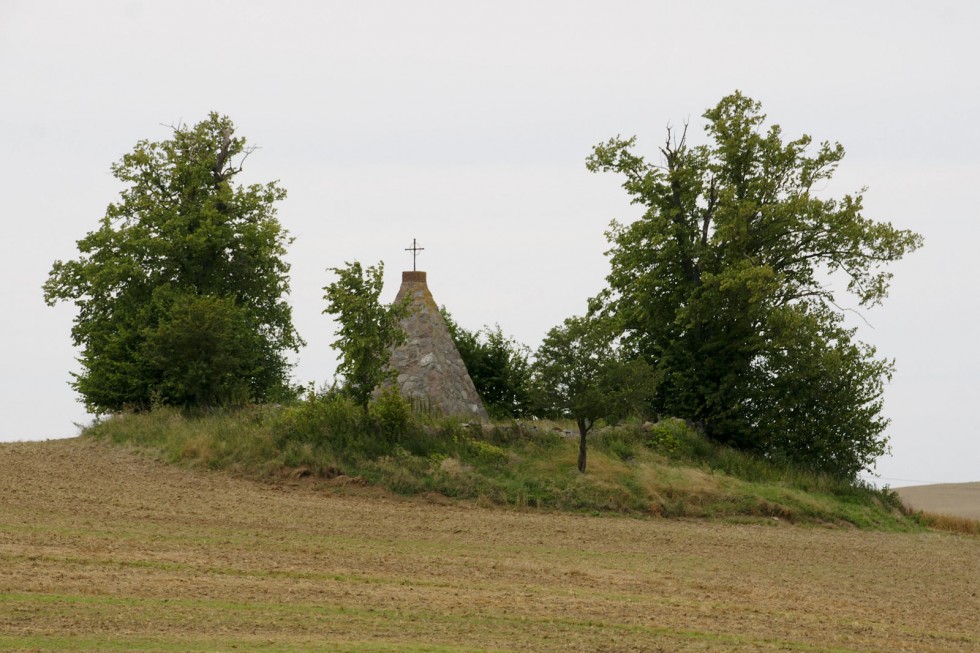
414	249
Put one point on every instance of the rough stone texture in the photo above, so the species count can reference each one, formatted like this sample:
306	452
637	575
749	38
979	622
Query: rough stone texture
430	370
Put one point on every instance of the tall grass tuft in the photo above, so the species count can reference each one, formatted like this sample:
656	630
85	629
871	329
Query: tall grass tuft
949	523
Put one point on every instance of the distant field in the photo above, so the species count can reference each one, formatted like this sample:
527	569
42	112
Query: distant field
960	499
104	550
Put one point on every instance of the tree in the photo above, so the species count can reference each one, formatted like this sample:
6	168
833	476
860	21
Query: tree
184	240
498	365
206	348
820	395
579	374
367	331
729	281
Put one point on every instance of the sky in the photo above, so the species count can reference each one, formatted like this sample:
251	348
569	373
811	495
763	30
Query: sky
466	125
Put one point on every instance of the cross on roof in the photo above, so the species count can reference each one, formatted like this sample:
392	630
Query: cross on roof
414	249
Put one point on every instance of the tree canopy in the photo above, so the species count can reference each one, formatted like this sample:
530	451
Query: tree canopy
579	374
180	290
367	330
730	283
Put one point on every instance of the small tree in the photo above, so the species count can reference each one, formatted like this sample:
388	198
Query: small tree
367	331
182	231
579	374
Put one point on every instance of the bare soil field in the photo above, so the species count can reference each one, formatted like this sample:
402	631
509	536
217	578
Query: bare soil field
959	499
102	549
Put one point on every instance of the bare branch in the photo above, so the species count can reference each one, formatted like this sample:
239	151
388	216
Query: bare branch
223	152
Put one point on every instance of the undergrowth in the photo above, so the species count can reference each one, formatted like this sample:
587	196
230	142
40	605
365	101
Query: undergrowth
666	469
950	523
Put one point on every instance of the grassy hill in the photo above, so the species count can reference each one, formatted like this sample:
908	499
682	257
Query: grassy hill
664	469
106	549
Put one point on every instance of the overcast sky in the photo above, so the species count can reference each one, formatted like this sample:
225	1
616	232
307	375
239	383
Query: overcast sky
466	125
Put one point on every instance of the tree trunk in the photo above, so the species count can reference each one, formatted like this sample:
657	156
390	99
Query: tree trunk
582	430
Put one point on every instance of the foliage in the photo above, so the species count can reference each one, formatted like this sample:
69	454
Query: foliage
181	233
205	348
497	364
392	413
332	415
726	284
334	422
670	437
579	374
367	331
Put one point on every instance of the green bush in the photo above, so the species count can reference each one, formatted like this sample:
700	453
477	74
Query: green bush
332	419
335	423
673	438
391	415
485	452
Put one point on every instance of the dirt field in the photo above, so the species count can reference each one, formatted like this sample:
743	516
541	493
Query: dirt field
960	499
102	550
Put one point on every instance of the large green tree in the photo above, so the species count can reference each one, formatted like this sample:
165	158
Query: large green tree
367	330
731	283
180	290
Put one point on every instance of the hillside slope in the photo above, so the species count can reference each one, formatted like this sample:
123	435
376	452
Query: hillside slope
103	549
959	499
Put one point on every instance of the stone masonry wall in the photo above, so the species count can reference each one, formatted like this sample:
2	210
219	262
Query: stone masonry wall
430	369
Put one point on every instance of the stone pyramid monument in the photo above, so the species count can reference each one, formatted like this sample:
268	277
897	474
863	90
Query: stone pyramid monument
430	369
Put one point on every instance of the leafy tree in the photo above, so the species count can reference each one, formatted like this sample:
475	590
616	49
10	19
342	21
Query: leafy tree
498	365
729	284
205	348
182	231
820	395
367	331
579	374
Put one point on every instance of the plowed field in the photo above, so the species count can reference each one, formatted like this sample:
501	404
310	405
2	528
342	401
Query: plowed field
105	550
960	499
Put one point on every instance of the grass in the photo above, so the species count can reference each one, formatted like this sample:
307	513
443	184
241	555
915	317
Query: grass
665	469
949	523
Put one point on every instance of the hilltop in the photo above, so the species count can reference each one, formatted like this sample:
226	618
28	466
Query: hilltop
666	469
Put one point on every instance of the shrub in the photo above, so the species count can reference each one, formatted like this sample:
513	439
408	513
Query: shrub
673	438
486	453
326	419
391	414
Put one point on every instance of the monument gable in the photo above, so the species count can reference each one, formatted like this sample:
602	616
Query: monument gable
429	369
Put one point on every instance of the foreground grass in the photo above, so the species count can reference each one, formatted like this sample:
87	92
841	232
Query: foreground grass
105	550
665	469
